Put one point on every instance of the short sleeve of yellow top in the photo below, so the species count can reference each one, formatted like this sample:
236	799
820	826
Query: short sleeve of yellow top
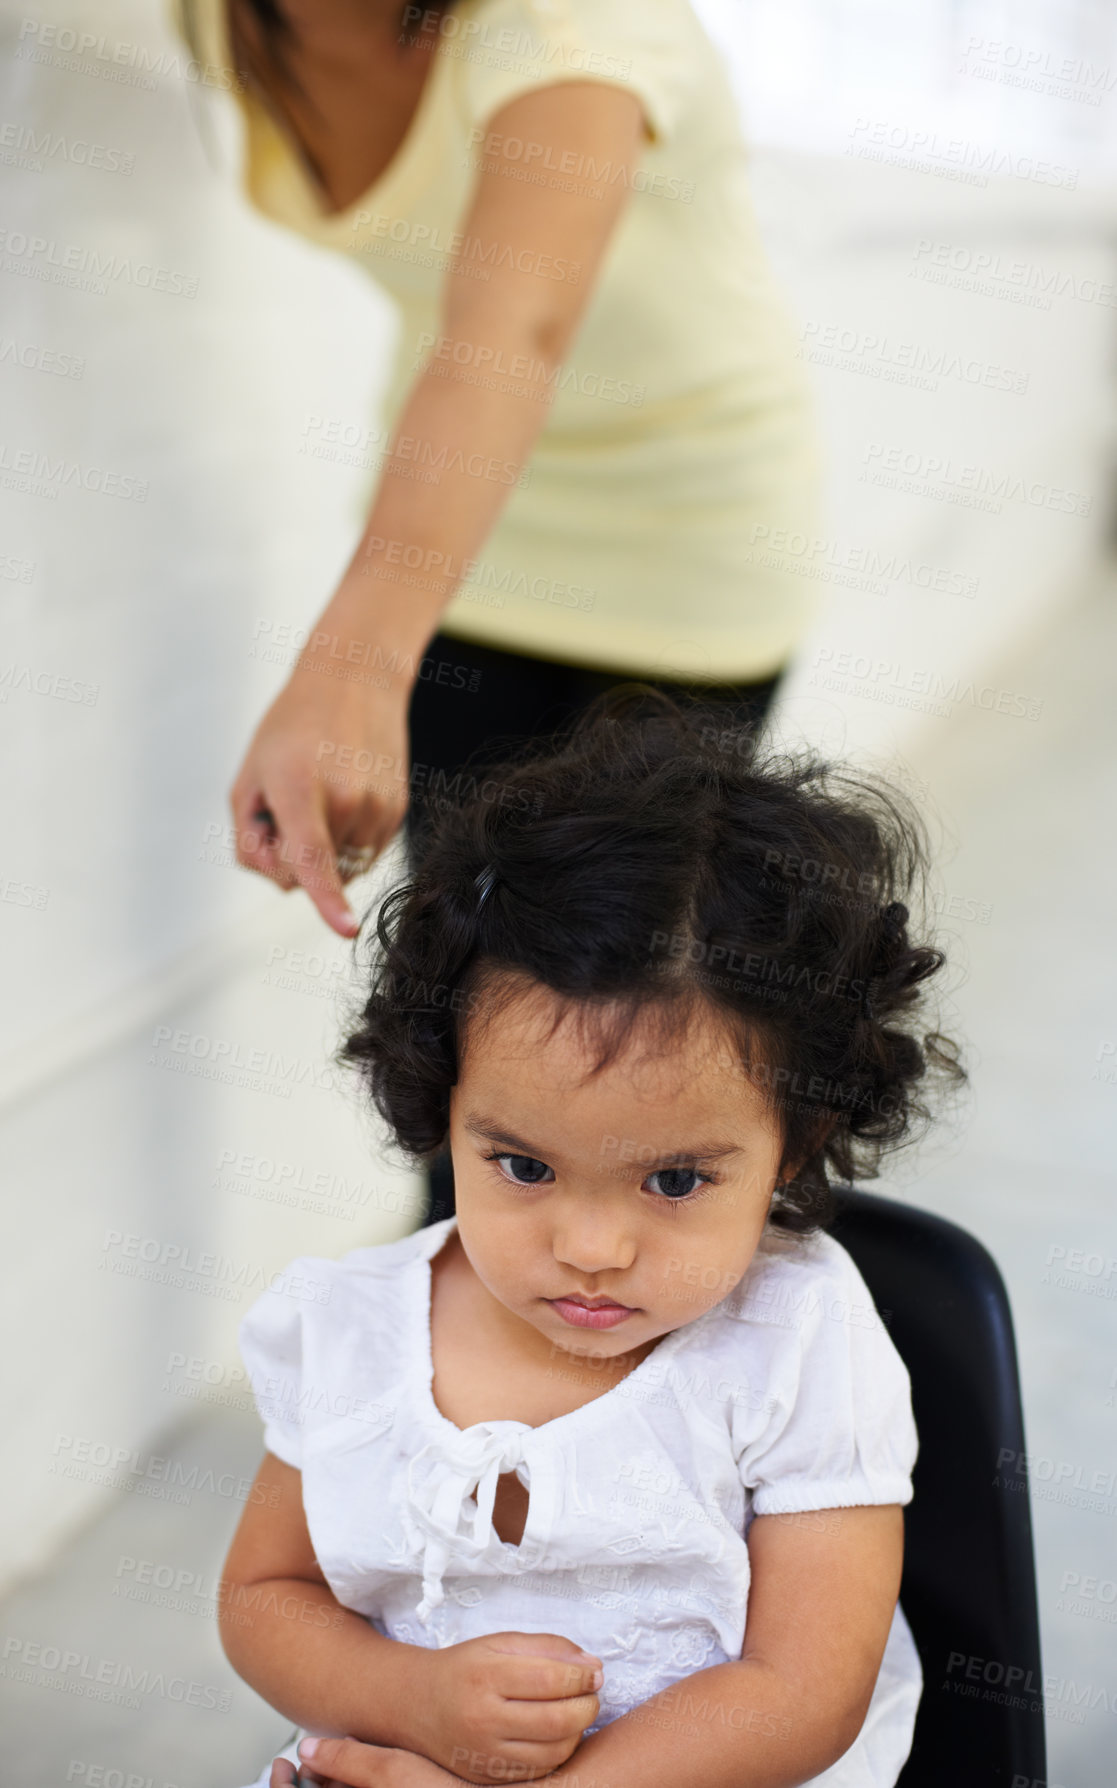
658	528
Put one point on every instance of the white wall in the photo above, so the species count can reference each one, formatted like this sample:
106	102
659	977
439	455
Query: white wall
969	437
937	184
138	919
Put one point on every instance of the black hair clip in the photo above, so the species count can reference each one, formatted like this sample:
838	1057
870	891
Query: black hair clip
484	882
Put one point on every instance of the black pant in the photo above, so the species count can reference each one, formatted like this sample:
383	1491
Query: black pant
475	703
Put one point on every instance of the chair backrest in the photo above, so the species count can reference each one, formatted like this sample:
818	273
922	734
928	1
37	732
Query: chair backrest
969	1587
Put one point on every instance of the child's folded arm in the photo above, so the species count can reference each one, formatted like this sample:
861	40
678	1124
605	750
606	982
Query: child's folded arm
824	1589
285	1632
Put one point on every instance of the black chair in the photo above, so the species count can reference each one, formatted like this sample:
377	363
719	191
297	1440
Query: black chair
969	1587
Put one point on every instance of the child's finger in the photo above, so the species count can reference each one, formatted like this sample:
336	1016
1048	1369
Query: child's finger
544	1645
283	1773
539	1645
549	1722
547	1679
350	1762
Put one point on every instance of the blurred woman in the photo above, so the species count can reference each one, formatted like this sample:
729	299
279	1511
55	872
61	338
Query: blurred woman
596	429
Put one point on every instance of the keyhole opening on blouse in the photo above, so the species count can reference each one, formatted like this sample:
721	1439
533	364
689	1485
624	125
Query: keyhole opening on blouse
509	1508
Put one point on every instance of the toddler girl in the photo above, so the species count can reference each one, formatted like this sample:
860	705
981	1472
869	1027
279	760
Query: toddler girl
603	1475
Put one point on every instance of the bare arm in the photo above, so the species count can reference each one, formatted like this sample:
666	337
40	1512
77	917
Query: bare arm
300	763
824	1588
285	1632
481	438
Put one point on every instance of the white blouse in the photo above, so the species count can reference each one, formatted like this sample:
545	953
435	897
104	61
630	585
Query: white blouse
785	1397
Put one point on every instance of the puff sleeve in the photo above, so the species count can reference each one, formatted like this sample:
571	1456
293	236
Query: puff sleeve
839	1430
272	1347
523	45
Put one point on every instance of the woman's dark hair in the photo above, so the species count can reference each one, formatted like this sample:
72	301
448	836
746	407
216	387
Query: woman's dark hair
651	860
261	36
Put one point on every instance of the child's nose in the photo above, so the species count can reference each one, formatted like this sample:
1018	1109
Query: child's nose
594	1244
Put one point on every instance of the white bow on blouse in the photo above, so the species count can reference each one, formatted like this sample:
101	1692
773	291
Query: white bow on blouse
441	1506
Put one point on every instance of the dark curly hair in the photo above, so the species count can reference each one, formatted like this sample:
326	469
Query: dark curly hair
648	860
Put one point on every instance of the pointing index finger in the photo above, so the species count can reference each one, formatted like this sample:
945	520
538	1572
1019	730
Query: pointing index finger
308	851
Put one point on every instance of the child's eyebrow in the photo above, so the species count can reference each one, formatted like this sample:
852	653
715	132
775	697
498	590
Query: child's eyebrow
487	1127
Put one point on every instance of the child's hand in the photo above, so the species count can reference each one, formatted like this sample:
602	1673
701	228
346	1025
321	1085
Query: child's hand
508	1699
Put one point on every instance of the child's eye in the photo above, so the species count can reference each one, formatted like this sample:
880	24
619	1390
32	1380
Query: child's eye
677	1186
524	1169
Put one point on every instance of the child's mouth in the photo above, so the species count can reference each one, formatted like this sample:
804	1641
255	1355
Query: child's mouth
581	1316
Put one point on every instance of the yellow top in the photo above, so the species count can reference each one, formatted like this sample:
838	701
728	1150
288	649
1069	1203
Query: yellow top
645	536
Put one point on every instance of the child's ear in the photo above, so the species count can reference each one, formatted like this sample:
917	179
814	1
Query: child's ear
823	1130
789	1171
